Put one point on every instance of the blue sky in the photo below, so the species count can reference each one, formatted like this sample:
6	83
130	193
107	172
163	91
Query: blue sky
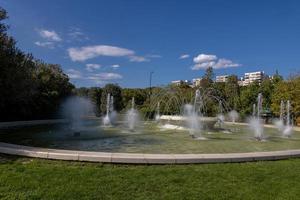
120	41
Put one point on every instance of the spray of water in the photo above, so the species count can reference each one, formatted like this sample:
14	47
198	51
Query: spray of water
157	115
192	114
75	109
255	121
132	117
110	115
233	116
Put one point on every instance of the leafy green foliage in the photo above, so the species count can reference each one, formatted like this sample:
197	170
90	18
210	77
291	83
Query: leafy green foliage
29	88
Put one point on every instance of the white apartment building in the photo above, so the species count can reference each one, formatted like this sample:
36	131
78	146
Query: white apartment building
196	82
251	77
180	82
221	79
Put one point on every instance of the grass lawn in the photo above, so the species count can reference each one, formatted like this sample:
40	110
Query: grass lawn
26	178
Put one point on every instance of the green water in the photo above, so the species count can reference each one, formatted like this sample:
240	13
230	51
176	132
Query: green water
148	138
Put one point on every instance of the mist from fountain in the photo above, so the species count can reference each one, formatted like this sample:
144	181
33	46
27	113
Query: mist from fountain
287	132
74	109
284	124
110	116
132	116
192	114
255	121
157	115
220	116
233	116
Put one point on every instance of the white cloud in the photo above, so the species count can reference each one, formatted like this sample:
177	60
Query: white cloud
225	63
92	67
201	58
44	44
153	56
74	74
88	52
115	66
184	56
76	34
99	78
49	35
105	76
203	61
138	59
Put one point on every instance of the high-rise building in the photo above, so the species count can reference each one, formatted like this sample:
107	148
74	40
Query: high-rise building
181	82
251	77
221	79
196	82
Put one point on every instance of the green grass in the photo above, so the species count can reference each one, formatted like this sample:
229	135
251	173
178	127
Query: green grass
26	178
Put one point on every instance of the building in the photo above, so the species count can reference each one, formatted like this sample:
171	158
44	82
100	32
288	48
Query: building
251	77
221	79
181	82
196	82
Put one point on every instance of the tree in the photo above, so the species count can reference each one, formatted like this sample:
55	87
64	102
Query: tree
29	88
287	90
232	92
207	79
248	97
95	95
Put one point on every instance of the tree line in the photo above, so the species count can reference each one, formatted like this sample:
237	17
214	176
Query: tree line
232	96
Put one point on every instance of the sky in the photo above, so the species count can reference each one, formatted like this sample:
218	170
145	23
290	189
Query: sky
117	41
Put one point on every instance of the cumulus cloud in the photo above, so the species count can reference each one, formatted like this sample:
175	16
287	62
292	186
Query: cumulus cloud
50	38
49	35
225	63
115	66
184	56
88	52
74	74
203	61
201	58
91	67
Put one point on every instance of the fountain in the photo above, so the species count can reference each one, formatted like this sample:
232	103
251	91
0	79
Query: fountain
254	110
284	124
220	116
233	116
192	113
255	121
287	132
110	116
132	116
157	115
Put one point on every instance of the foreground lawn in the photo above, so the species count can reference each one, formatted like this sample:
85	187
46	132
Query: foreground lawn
25	178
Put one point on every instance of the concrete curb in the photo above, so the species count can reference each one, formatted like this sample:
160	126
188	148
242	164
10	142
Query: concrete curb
138	158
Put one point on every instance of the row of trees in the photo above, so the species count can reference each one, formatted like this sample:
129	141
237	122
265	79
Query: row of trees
29	88
230	94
